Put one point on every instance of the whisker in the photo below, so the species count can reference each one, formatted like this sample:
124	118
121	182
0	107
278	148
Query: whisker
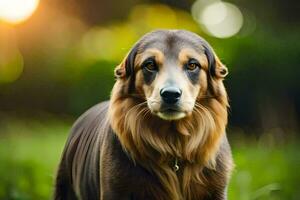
146	113
204	108
141	111
135	95
135	107
206	97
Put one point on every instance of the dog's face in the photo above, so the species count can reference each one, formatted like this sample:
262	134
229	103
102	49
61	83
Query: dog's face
171	70
171	77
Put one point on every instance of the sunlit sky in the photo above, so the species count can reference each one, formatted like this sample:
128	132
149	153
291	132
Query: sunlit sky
16	11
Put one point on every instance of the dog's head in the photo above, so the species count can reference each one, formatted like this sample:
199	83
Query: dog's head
172	70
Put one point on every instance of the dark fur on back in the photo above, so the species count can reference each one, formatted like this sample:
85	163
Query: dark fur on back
92	142
79	167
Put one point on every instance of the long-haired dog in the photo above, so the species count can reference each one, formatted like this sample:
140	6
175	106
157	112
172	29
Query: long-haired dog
162	134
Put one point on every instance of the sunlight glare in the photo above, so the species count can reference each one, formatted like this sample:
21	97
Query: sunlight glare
16	11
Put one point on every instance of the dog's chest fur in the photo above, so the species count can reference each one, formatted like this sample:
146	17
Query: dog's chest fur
132	180
122	177
106	172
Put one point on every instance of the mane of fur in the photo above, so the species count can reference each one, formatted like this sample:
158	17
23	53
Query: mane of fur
155	143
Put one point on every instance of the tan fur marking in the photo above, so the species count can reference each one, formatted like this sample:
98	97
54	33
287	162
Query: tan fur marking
221	69
152	52
187	53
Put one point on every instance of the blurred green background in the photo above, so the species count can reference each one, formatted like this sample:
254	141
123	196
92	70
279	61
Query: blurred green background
57	60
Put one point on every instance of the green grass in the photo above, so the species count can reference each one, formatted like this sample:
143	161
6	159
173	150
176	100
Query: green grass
266	172
30	152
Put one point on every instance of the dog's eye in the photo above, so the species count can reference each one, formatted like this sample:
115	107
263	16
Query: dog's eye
192	65
150	65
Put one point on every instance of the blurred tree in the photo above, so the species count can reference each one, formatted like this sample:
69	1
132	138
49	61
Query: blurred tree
69	48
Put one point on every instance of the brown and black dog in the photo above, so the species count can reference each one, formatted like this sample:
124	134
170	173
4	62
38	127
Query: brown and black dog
162	134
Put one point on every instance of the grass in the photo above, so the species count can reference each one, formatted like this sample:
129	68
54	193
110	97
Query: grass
266	172
30	152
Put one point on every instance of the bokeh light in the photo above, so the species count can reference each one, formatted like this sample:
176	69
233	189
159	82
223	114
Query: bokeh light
11	59
217	18
120	36
16	11
11	66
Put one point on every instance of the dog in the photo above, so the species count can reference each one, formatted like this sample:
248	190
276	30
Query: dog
162	134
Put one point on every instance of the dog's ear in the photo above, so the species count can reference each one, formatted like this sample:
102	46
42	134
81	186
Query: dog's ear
216	67
126	68
221	70
120	71
126	72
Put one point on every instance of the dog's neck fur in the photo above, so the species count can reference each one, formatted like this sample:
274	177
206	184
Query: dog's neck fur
153	142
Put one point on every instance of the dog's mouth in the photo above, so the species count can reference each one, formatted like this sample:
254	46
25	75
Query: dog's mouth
171	113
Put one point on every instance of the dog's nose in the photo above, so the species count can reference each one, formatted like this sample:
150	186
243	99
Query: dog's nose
170	95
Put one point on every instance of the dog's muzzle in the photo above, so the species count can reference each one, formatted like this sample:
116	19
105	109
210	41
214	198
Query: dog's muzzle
170	109
170	95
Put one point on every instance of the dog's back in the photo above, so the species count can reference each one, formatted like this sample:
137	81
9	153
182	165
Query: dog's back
92	156
78	173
